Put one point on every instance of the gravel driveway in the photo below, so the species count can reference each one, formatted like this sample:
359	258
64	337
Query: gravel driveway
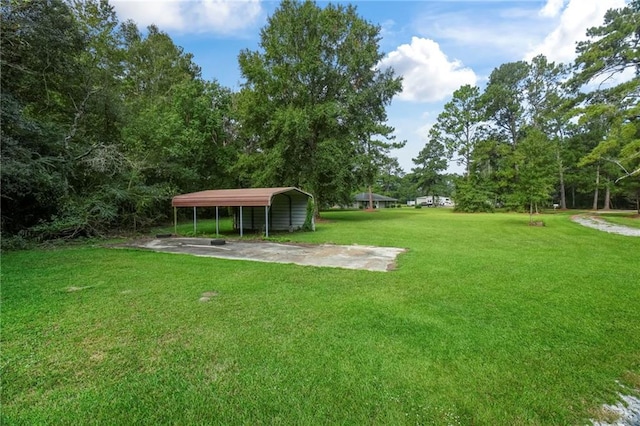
602	225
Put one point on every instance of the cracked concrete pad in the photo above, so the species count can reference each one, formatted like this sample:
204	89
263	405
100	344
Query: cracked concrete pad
329	255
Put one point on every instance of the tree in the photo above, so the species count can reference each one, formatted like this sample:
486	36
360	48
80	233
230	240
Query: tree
549	107
100	125
505	109
314	99
611	50
430	162
504	99
612	47
535	181
175	137
374	157
390	178
40	46
459	126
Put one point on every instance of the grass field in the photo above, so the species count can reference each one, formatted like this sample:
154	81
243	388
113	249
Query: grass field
486	320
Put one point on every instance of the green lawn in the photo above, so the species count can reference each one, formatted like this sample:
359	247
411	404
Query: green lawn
486	321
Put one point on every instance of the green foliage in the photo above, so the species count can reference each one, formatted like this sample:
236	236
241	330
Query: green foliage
535	180
15	242
431	162
390	179
612	49
40	46
313	105
504	99
459	126
472	196
103	123
100	124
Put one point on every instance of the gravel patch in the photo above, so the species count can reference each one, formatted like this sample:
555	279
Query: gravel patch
602	225
627	412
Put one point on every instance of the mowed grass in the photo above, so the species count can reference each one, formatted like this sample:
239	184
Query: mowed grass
486	320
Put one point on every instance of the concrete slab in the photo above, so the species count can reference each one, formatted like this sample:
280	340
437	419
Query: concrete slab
336	256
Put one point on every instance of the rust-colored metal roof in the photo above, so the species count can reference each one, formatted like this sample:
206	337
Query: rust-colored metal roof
245	197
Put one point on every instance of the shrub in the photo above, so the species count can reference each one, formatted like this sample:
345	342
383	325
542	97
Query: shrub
15	242
471	197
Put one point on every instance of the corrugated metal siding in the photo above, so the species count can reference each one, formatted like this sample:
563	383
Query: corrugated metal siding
287	210
253	218
230	197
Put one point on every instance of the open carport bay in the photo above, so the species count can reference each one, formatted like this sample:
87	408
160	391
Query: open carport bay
329	255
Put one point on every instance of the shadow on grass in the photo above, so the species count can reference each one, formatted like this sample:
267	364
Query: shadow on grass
355	215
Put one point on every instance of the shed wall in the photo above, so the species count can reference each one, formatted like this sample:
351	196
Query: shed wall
287	210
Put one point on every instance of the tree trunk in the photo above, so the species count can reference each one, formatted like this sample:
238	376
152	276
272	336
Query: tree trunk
316	205
595	195
530	212
370	199
563	198
607	198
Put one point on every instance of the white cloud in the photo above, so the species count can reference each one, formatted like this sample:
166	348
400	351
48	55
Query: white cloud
428	75
576	18
552	8
387	28
191	16
484	33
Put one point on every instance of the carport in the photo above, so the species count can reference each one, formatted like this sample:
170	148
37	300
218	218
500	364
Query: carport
276	209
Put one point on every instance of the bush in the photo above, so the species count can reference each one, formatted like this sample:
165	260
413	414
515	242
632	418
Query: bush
15	242
471	197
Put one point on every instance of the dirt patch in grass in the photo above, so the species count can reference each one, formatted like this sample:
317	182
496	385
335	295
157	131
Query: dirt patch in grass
207	295
323	220
632	379
604	415
73	288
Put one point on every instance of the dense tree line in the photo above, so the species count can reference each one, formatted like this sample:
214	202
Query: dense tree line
101	123
543	133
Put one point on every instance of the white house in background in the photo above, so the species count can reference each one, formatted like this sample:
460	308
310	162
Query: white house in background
434	201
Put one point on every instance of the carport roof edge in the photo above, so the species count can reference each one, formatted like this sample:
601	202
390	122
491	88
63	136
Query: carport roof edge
245	197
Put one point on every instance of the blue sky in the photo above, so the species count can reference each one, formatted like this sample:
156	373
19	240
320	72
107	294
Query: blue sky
435	45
